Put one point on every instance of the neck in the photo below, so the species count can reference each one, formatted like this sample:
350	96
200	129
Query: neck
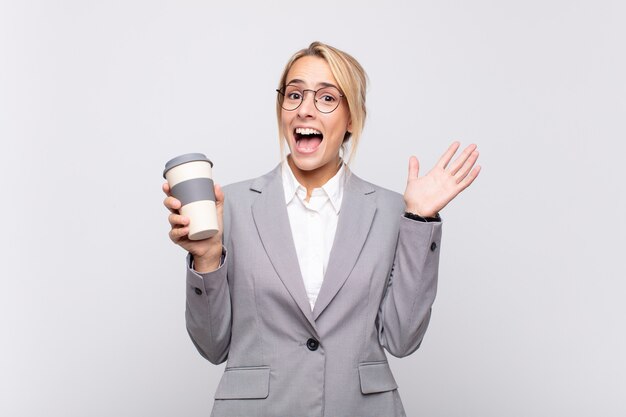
315	178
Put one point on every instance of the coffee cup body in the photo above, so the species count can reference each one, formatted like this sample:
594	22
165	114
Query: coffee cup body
190	177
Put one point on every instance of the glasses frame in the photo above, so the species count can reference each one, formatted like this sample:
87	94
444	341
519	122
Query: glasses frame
281	91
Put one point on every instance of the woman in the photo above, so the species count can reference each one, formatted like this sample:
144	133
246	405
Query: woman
303	326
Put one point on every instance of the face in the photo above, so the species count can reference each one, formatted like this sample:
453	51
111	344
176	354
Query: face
314	138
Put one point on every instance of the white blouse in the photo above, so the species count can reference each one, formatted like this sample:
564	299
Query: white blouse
313	225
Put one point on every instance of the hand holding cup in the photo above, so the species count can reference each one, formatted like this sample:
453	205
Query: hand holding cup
196	206
206	252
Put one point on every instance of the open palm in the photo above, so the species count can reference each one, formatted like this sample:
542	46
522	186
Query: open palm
428	194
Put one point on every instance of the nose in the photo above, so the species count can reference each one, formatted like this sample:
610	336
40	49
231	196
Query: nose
307	107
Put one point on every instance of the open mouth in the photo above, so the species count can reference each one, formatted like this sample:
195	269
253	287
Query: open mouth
307	139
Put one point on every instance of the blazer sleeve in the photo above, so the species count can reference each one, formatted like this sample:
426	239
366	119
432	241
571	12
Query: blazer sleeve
405	308
208	311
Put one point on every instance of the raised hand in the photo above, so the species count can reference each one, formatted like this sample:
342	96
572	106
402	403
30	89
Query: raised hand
427	195
206	253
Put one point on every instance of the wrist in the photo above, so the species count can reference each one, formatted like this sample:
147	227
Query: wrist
421	212
427	219
208	262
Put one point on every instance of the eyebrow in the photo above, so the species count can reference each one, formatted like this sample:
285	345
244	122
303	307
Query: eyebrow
322	84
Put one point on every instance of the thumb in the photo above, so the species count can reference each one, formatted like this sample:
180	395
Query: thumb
219	195
414	167
219	205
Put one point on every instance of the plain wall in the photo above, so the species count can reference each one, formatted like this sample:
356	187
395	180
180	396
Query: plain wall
95	96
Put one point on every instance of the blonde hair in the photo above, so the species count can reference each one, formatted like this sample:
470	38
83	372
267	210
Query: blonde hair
352	81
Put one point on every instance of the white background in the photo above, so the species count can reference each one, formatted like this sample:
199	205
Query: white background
95	96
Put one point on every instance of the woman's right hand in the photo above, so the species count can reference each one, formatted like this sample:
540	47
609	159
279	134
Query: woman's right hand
206	253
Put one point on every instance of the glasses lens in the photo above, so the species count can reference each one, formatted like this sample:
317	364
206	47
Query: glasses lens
327	99
292	97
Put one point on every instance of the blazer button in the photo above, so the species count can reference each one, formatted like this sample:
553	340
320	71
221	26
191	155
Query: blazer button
198	291
312	344
433	246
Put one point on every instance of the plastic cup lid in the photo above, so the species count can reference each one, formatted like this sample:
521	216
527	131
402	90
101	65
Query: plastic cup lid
183	159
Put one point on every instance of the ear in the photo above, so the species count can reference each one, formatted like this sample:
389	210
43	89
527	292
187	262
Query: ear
349	127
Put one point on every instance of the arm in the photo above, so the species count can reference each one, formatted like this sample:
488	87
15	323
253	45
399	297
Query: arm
404	311
208	308
406	305
208	311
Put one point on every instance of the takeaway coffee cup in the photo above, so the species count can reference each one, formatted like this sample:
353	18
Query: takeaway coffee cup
191	181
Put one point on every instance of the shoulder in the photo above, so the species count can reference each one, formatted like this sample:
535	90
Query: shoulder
249	189
237	188
385	199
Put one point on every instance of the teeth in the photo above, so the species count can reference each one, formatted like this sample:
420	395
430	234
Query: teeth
307	131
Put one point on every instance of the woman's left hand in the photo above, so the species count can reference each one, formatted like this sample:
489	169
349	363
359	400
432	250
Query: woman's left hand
427	195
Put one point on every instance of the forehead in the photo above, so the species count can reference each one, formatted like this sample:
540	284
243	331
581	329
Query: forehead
311	71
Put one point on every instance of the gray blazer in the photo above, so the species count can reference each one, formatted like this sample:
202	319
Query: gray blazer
285	360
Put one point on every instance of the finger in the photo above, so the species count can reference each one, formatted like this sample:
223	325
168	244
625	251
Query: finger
219	200
178	234
219	194
172	204
458	162
414	168
467	167
447	156
219	204
467	181
166	188
176	220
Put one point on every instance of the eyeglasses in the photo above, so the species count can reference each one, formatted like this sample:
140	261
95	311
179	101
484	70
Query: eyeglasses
326	99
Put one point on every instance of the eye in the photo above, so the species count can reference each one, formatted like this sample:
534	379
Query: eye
328	96
293	92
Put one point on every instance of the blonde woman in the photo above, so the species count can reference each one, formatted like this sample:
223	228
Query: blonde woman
316	272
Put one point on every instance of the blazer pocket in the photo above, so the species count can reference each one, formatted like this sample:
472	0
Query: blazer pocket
244	383
376	377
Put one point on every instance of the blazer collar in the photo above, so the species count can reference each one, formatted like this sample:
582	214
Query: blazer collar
273	179
333	187
272	221
355	220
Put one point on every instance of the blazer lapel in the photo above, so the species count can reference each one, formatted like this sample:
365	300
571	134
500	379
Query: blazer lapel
355	219
272	222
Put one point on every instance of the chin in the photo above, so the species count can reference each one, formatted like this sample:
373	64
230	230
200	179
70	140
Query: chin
306	163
